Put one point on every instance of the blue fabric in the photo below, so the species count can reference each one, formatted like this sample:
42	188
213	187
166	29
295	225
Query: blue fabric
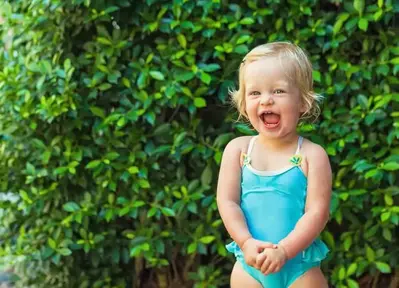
272	203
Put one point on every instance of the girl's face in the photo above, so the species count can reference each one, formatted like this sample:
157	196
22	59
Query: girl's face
272	102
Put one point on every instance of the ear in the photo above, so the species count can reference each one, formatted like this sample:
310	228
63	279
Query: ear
303	108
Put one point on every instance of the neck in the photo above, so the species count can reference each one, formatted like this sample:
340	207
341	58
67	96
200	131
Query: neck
278	144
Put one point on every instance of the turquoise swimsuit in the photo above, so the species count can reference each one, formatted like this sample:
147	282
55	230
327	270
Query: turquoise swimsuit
272	203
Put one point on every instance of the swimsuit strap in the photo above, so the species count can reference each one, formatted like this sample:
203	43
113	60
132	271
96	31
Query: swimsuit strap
300	141
251	145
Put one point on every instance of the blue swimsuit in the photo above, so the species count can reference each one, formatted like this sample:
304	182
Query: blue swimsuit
272	203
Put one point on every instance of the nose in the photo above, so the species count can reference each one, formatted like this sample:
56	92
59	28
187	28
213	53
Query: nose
267	99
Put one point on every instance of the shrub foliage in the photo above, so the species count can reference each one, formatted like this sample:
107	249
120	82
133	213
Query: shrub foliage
113	119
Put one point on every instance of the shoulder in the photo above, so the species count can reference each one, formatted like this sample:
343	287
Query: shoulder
315	154
236	149
238	145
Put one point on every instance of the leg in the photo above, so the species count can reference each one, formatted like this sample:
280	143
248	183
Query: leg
312	278
240	278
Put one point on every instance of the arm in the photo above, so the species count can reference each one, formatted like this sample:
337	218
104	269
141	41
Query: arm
229	190
317	203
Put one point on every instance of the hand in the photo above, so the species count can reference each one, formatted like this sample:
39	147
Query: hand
271	260
251	249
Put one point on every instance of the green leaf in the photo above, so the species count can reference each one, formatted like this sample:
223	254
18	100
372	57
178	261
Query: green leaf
111	198
245	129
56	259
241	49
104	86
363	101
126	82
329	238
30	169
371	173
359	6
385	216
108	215
112	155
103	40
168	212
97	111
243	39
352	283
207	239
152	212
348	243
370	254
206	78
184	76
182	40
206	176
133	170
247	21
93	164
142	80
157	75
199	102
211	67
363	24
192	248
352	269
391	166
111	9
144	183
383	267
341	273
64	251
60	170
386	233
388	199
316	76
71	207
218	157
340	21
52	243
162	129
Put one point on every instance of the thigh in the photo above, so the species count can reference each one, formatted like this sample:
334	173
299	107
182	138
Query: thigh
240	278
312	278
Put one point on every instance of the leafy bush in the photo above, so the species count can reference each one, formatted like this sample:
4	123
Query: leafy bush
114	115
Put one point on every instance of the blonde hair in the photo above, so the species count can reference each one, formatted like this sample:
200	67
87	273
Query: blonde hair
300	73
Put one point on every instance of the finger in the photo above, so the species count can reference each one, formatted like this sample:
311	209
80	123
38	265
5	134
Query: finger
265	265
271	269
259	260
251	259
248	260
278	268
265	245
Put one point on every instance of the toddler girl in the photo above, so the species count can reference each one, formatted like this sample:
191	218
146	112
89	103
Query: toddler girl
274	189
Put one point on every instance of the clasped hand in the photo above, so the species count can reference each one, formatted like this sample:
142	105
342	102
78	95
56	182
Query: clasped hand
264	256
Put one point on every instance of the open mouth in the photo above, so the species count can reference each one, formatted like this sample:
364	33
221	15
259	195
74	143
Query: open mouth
270	119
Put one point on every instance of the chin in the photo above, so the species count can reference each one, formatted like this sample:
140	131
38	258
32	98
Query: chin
274	132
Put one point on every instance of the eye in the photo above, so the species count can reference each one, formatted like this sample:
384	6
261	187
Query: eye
279	91
254	93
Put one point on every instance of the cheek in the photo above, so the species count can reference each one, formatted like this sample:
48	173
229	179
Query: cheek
250	106
291	106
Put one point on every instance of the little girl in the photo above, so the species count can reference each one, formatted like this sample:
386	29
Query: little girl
274	189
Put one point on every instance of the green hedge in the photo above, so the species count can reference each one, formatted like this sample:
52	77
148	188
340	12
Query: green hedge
113	119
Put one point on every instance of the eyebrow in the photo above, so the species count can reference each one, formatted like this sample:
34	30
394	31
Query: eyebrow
280	83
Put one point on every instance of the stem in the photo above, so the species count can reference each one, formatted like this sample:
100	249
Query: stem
375	281
395	280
